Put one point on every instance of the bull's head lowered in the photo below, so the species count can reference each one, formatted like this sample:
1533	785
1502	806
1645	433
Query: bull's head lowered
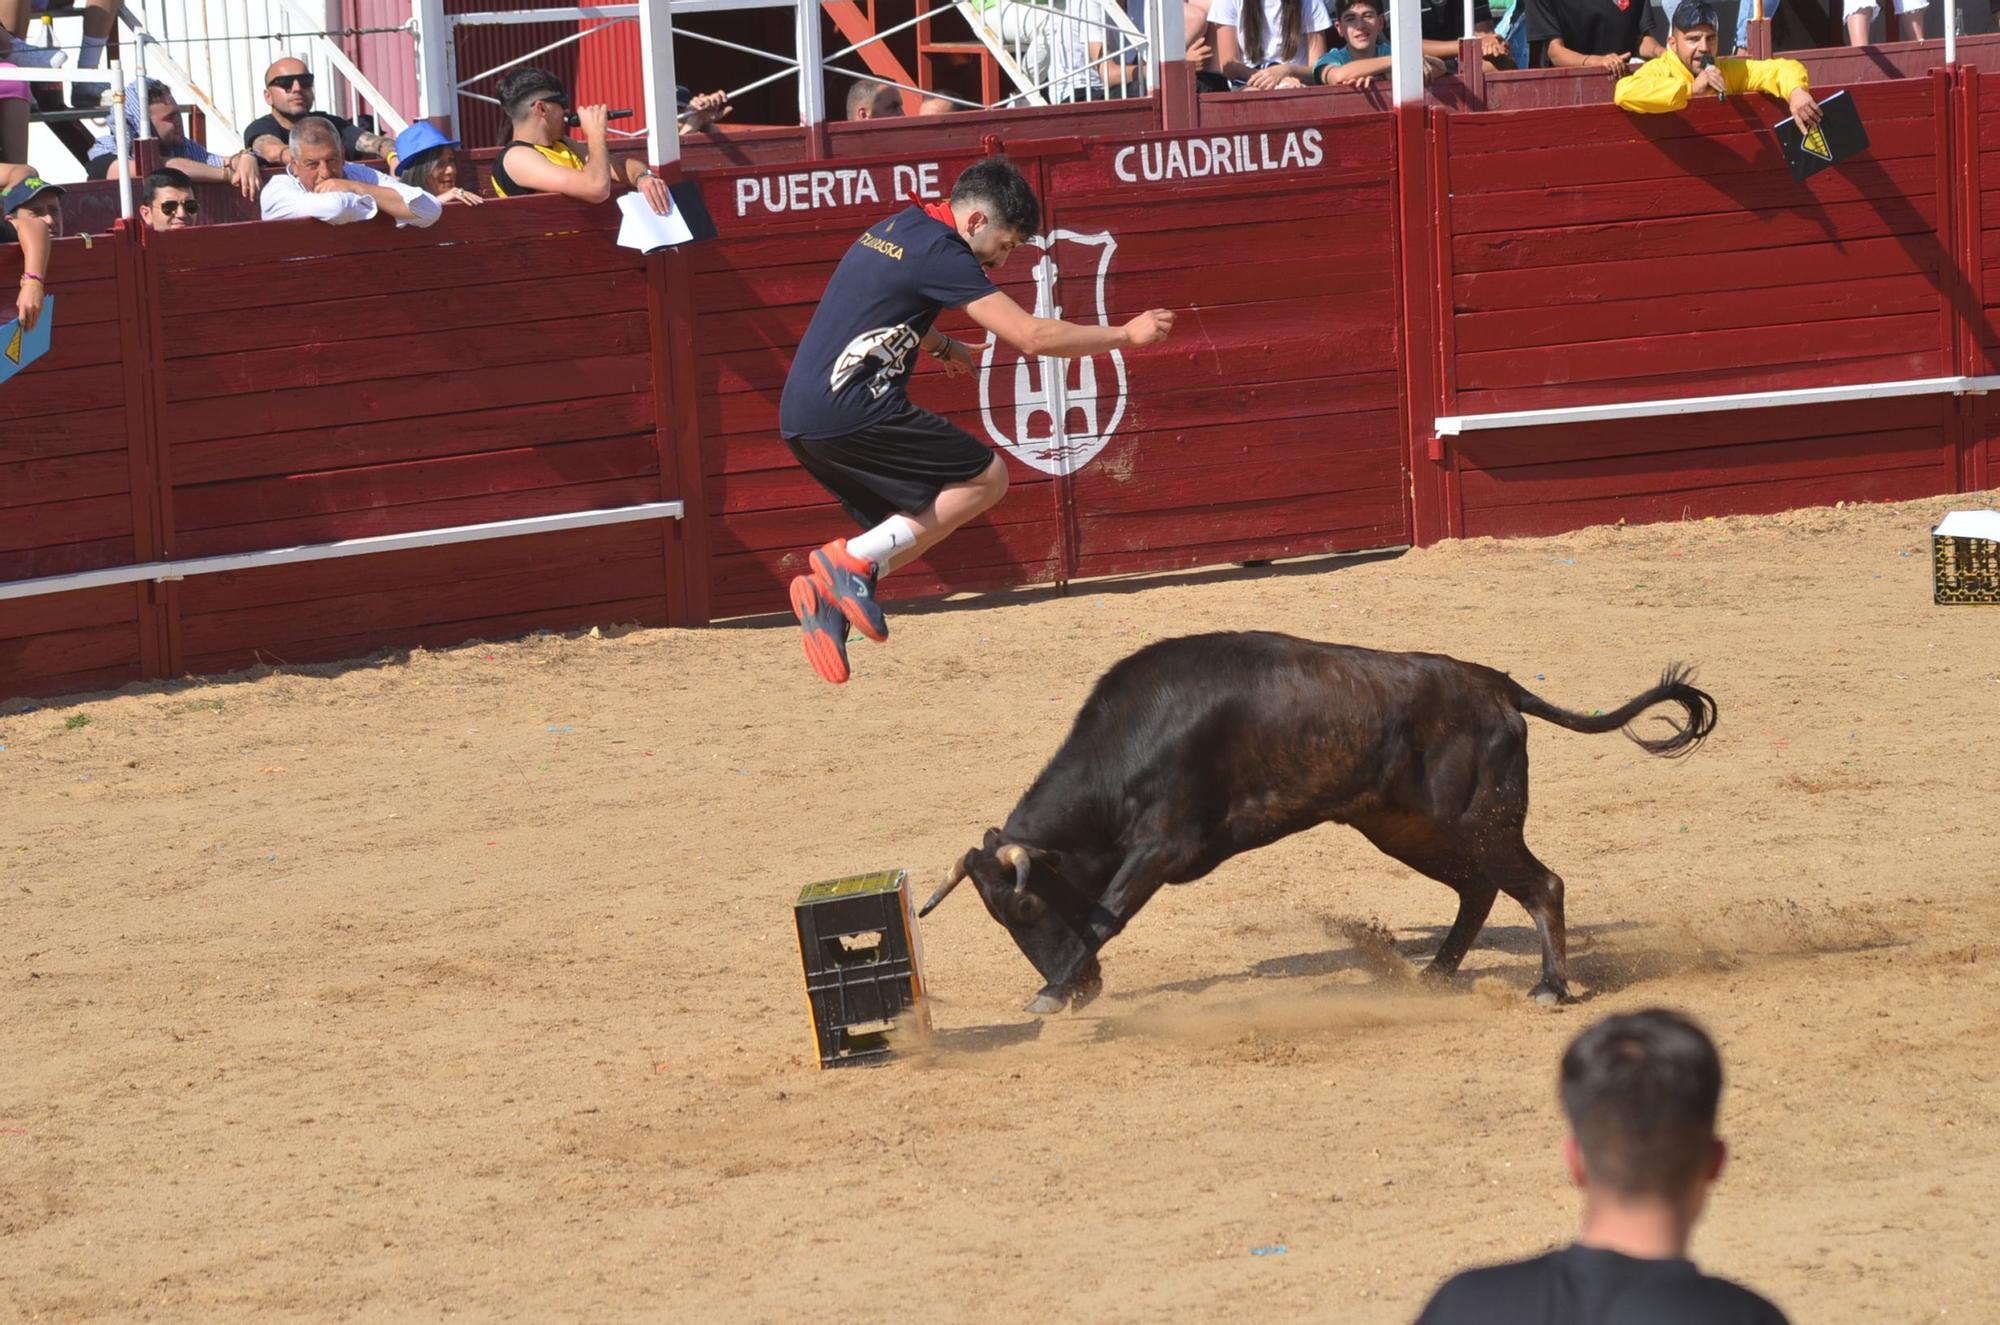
1048	916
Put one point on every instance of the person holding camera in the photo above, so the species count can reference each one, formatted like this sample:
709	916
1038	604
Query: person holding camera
540	158
1689	68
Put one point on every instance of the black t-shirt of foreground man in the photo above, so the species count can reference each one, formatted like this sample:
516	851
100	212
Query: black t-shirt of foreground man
1640	1091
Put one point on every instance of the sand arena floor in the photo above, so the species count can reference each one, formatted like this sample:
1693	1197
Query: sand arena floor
463	983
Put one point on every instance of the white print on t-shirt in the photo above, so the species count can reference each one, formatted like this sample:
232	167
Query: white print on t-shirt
888	347
1056	414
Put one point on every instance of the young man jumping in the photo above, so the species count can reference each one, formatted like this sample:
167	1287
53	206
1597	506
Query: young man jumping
906	476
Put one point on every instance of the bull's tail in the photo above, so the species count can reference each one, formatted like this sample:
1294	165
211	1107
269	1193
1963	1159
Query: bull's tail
1673	688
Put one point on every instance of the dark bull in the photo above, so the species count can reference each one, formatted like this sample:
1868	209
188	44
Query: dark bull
1193	750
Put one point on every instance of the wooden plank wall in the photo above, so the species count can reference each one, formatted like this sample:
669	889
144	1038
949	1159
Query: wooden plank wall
321	383
72	454
1268	425
248	386
1599	257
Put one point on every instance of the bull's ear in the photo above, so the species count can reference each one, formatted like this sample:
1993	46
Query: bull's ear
992	841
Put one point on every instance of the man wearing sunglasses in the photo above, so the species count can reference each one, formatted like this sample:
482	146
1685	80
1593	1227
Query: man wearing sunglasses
288	91
167	201
540	158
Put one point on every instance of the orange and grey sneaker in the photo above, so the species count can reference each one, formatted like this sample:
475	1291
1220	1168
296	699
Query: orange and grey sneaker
850	582
825	629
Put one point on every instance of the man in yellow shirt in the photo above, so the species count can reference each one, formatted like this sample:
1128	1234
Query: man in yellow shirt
1667	82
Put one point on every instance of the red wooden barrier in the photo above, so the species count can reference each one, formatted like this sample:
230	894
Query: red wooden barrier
385	384
75	482
1347	275
1597	257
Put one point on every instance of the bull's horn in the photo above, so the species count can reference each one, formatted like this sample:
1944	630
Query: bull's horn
951	880
1017	856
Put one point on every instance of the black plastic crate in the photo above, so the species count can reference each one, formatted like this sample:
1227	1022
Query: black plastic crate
863	965
1965	570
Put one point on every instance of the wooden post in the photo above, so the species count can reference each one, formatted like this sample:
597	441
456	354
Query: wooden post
1419	206
670	316
1975	413
142	440
1760	38
656	61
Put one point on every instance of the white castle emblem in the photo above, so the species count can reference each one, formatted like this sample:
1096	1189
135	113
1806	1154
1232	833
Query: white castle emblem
1056	414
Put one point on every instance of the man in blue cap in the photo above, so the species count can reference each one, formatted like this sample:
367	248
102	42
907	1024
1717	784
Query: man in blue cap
428	160
30	215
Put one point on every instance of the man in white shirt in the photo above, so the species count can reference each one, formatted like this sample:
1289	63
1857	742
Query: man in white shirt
319	183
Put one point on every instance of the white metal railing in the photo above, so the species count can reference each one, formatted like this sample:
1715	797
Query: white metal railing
214	55
158	572
1452	425
114	73
1053	33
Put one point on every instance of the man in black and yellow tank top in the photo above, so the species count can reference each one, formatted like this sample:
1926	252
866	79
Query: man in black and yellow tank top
540	158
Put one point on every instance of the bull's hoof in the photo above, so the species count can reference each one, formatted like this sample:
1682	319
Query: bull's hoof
1549	996
1085	992
1046	1005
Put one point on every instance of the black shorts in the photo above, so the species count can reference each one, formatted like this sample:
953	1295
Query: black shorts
893	467
99	167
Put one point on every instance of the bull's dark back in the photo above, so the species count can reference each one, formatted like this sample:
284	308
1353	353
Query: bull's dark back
863	965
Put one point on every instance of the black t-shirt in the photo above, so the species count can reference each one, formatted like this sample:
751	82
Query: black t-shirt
858	353
1444	20
1590	1286
1587	27
350	132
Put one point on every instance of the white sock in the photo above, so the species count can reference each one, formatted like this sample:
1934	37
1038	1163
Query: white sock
93	52
884	541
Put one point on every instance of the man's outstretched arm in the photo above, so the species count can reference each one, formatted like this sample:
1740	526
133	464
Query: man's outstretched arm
1038	336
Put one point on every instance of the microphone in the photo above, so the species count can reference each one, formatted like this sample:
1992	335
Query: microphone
1703	60
572	121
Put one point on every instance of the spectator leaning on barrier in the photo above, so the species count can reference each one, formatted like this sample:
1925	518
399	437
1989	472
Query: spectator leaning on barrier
427	160
1641	1092
1668	82
176	148
167	201
1261	43
1364	56
320	183
1596	34
699	111
871	99
540	158
288	91
31	216
1444	27
1194	29
1080	68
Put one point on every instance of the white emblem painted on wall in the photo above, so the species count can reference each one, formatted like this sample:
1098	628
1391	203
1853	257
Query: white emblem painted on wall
1056	414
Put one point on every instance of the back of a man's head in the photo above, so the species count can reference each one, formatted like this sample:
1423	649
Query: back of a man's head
1002	192
521	89
1641	1092
872	99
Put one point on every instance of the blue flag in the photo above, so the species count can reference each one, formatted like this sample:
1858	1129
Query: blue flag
20	348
